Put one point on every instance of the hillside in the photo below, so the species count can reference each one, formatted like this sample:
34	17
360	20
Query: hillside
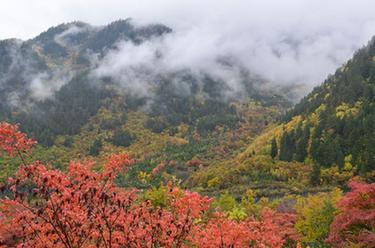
336	126
324	141
186	126
104	143
44	78
181	121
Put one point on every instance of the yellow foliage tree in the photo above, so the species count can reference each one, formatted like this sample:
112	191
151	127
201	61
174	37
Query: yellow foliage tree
316	212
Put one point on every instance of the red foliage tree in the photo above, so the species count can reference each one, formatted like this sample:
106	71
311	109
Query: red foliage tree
272	230
82	208
356	222
13	141
194	163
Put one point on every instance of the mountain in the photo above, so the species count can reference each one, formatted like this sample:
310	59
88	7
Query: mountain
323	141
45	77
51	87
121	133
191	127
337	119
176	119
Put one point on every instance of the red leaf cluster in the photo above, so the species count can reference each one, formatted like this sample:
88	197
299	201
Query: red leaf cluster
83	208
194	163
272	230
356	222
157	169
12	140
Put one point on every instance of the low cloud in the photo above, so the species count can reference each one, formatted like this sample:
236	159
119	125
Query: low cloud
43	85
290	42
281	58
64	38
137	68
25	81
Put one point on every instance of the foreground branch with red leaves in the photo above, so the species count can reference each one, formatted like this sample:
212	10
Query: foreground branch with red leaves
273	230
355	225
82	208
12	141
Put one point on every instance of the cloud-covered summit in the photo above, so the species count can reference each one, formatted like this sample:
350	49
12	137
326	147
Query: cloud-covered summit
288	42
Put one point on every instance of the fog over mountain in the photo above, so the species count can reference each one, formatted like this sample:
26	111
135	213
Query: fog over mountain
287	43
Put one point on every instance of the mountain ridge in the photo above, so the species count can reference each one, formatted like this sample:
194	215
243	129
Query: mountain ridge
183	120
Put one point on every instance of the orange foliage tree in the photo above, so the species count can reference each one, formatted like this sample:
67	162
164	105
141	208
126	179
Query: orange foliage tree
13	141
81	207
272	230
355	225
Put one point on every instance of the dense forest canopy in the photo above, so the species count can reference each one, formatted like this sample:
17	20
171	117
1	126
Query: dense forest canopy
337	119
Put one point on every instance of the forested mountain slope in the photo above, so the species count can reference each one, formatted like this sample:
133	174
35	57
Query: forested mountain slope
186	125
178	120
337	119
104	143
324	141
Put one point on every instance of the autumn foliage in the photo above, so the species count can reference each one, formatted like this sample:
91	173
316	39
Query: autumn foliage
83	207
12	140
272	230
355	225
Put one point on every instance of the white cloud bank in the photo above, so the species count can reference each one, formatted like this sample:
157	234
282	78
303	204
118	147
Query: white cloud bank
290	41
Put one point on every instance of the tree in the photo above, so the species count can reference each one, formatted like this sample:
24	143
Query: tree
96	147
86	209
122	138
315	175
156	125
12	141
302	144
315	214
83	208
272	230
273	148
287	147
225	202
355	224
340	159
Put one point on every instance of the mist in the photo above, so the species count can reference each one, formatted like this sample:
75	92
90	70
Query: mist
287	43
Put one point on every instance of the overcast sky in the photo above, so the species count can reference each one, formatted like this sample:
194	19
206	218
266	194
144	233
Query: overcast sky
25	19
297	41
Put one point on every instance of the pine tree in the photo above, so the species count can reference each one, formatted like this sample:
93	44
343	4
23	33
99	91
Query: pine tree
287	147
340	159
301	146
315	175
96	147
122	138
273	148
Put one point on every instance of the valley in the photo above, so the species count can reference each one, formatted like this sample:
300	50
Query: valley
253	153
